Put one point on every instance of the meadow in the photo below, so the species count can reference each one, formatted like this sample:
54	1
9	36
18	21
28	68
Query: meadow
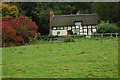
85	58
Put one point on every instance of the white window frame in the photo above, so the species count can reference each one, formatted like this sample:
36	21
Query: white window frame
78	23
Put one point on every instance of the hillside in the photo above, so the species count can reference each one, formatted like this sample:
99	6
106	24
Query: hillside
88	58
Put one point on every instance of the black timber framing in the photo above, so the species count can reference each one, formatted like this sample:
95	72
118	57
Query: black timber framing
87	29
83	28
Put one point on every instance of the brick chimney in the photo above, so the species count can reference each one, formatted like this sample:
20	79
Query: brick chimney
51	19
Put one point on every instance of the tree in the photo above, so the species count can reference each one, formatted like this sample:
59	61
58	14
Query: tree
8	10
106	11
83	7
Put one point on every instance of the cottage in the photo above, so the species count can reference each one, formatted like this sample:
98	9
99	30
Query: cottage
79	24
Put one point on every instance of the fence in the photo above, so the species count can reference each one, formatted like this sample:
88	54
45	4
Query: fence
107	34
52	38
99	35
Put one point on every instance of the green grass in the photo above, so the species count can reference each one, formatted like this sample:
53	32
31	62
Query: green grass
63	60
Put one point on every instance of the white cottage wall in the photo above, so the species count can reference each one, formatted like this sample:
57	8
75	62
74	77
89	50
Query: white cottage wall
61	32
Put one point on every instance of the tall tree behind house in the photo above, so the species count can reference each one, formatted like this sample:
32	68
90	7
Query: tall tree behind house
107	11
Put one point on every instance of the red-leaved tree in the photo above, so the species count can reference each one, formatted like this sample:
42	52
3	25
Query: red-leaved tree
17	31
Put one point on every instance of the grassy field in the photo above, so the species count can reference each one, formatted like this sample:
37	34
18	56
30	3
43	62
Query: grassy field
86	58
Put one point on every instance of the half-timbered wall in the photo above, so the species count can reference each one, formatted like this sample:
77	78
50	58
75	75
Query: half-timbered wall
79	30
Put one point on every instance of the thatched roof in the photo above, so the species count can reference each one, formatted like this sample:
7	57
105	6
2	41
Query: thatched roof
68	20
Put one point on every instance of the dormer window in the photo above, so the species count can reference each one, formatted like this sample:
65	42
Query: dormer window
77	23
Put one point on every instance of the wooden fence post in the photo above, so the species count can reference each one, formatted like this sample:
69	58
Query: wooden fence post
116	34
111	35
101	34
101	37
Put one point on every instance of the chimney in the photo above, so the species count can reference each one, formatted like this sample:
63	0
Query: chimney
78	12
51	19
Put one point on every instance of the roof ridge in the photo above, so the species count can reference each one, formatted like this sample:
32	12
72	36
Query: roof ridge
74	14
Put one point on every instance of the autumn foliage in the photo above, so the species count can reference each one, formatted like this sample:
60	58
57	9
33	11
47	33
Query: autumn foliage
8	10
17	31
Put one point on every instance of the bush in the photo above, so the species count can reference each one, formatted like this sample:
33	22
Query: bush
9	10
69	38
17	31
106	27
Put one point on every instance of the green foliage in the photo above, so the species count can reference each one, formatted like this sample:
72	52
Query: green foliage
83	7
106	27
69	38
33	39
107	11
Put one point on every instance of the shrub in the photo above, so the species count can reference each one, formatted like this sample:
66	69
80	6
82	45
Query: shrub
27	28
17	31
106	27
9	31
8	10
69	38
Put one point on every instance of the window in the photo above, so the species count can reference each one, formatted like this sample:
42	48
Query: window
58	32
85	30
69	28
65	28
77	31
77	23
94	30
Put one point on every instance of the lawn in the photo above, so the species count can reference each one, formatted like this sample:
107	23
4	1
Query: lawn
85	58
